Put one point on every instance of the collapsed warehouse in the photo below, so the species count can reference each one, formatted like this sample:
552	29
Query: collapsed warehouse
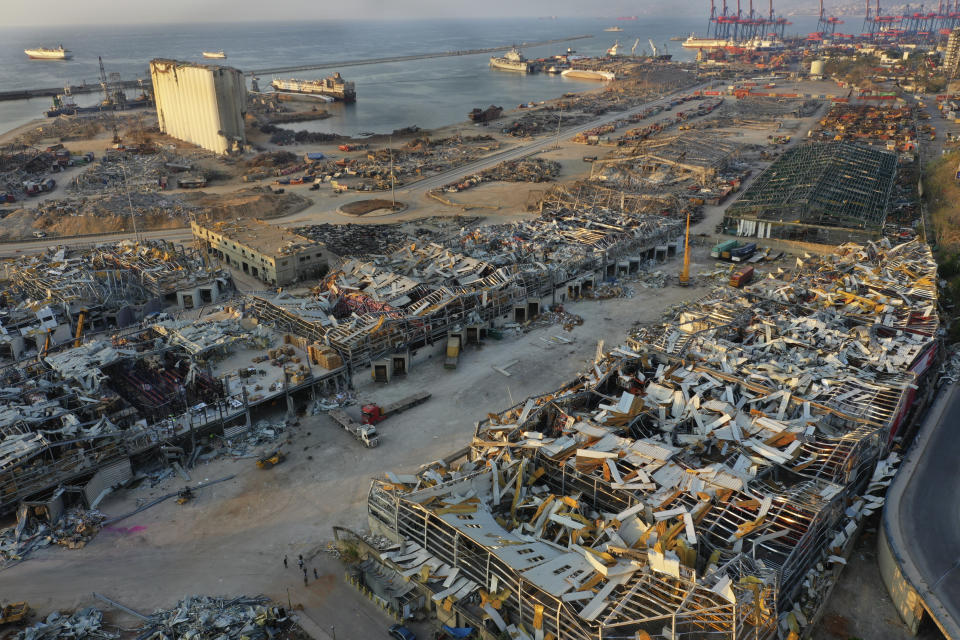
704	480
826	193
389	306
95	378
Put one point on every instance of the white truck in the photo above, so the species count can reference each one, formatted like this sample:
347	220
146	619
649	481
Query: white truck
365	433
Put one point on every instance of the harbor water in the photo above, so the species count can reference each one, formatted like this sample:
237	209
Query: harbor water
427	93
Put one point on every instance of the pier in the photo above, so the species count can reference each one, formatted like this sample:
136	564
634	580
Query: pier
25	94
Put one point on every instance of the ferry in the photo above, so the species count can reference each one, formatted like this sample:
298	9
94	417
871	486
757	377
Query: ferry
41	53
218	55
334	87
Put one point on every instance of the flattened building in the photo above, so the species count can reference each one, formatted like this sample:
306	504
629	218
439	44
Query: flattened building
202	104
828	193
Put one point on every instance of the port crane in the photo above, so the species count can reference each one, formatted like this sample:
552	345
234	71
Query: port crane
653	47
633	49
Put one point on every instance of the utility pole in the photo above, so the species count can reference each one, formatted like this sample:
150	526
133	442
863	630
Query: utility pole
559	120
685	274
133	218
393	191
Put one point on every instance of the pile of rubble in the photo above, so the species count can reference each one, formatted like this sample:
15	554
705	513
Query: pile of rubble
525	170
543	121
85	624
354	240
210	618
72	529
730	455
145	204
114	173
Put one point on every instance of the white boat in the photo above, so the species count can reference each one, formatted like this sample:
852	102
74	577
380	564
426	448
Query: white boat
756	44
219	55
41	53
589	74
513	60
614	29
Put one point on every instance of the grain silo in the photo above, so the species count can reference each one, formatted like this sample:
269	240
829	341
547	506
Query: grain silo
200	103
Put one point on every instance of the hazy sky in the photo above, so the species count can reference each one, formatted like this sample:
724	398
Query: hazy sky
65	12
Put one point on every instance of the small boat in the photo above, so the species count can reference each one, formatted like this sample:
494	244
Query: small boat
613	29
41	53
219	55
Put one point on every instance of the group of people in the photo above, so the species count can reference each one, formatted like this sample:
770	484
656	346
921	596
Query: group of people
303	567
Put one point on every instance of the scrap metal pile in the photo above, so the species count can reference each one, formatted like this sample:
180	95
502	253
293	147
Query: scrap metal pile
887	127
525	170
210	618
72	529
705	479
85	624
352	240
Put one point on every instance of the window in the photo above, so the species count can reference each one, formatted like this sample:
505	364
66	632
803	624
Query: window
465	517
561	570
283	263
319	255
472	526
524	552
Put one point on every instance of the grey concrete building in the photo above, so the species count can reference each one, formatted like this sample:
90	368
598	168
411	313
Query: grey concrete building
271	253
203	104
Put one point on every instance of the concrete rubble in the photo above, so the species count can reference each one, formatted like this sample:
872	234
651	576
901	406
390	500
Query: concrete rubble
709	475
72	529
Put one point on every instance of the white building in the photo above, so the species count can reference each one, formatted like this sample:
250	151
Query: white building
200	103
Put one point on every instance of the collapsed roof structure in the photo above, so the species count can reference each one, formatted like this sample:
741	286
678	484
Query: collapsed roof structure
816	192
694	483
416	294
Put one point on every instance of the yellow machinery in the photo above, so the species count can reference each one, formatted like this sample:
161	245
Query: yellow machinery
685	274
271	460
78	338
14	612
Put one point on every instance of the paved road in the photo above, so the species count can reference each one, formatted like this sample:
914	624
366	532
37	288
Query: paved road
413	191
923	513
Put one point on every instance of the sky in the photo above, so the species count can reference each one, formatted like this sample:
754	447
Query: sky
66	12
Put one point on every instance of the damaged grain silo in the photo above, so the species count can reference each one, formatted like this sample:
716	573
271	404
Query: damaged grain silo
200	103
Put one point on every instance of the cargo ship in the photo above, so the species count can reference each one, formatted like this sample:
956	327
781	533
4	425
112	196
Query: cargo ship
485	115
332	87
513	60
219	55
756	44
41	53
589	74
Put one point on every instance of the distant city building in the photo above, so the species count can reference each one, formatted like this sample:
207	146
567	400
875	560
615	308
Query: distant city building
200	103
268	252
951	58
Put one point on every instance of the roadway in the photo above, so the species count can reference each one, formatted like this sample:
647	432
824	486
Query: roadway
922	513
410	192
